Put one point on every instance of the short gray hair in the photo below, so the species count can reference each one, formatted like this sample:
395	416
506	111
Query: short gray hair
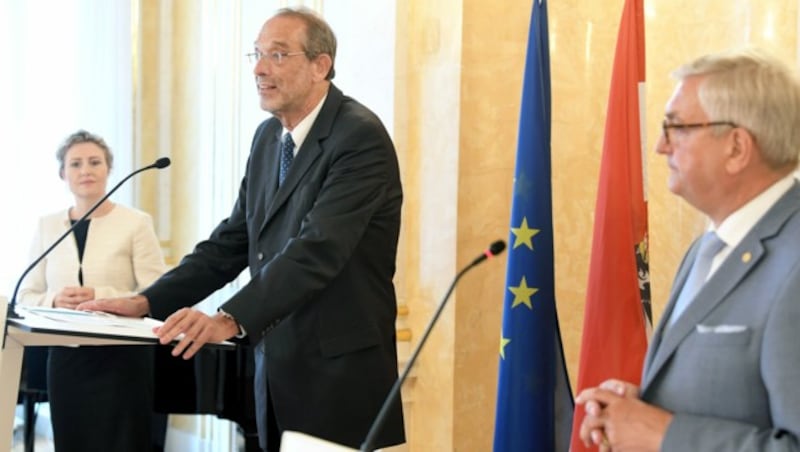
319	35
757	92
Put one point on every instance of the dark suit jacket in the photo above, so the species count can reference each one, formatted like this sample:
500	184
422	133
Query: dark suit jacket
729	367
320	307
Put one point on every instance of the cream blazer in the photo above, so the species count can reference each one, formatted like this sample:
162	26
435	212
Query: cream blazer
122	256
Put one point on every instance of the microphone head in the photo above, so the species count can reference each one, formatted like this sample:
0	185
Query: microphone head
163	162
497	247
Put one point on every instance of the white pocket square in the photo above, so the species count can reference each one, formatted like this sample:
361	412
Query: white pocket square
721	329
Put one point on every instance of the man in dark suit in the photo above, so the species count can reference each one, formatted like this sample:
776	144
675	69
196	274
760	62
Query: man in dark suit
318	228
723	365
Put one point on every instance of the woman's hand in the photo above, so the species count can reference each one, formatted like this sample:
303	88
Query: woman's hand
71	297
133	306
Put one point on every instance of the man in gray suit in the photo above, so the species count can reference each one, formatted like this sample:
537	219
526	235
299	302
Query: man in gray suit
317	223
723	367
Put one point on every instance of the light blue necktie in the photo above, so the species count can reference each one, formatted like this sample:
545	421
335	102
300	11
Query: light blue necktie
287	155
710	245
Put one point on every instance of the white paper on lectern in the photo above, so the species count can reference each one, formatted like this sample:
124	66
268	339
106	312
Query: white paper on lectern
300	442
94	318
75	320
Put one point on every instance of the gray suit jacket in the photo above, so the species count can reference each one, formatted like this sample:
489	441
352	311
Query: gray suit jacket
729	367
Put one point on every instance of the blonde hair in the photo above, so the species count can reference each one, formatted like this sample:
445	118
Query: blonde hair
82	136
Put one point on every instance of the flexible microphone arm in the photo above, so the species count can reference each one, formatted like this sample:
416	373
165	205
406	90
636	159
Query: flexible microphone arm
163	162
369	443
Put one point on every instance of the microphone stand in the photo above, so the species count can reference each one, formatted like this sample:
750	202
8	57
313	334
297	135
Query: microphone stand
369	442
11	312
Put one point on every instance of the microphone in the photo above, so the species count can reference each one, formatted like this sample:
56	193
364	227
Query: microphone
369	443
494	249
163	162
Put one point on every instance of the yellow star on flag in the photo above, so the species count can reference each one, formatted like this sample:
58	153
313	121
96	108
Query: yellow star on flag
503	343
523	234
522	294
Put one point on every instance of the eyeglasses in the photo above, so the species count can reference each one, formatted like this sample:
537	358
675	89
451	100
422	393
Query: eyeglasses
665	126
275	57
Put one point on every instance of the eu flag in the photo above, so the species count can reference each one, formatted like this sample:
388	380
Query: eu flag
534	398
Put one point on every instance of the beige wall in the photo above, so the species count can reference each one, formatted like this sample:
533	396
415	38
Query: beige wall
169	118
428	65
459	70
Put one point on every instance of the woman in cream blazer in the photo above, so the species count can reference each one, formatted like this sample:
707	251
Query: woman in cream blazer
101	398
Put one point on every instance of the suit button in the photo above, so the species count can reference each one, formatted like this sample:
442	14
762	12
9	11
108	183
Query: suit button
260	256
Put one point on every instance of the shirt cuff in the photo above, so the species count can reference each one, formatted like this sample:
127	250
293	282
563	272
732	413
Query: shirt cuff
242	332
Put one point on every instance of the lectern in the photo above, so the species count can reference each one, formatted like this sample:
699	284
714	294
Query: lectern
46	327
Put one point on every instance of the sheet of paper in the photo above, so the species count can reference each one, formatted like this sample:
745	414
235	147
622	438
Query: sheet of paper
93	318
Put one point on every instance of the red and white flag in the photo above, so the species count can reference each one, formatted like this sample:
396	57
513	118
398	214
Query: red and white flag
617	316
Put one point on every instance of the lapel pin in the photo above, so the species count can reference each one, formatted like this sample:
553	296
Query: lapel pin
746	257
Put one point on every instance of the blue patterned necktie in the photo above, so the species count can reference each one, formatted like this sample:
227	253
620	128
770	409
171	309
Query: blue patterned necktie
710	245
287	155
